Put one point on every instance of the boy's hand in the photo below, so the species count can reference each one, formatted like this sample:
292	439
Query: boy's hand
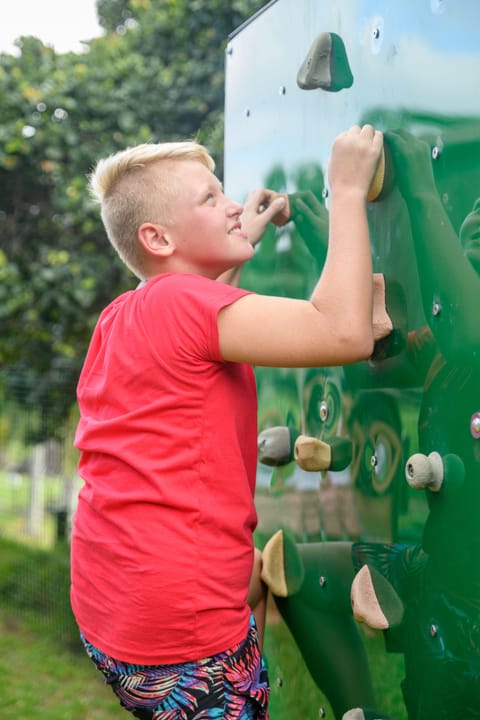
261	207
354	159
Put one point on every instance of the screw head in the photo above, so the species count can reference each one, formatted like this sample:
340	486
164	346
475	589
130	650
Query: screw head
436	309
475	425
323	410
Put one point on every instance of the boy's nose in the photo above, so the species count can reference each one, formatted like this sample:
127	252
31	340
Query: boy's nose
234	208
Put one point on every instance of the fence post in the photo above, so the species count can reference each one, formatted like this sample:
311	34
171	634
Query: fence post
36	509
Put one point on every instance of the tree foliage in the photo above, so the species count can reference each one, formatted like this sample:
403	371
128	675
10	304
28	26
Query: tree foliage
157	74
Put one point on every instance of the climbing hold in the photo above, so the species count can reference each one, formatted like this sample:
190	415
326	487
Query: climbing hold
326	65
312	454
425	471
389	313
275	445
284	215
282	567
364	714
383	178
374	601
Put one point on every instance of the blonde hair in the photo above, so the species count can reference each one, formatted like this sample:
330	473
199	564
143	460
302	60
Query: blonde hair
131	191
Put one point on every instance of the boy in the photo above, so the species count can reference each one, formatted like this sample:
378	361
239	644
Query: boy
162	545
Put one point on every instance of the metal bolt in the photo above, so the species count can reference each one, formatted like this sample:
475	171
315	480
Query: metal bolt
436	309
322	581
282	90
373	461
323	410
433	630
475	425
322	712
325	193
377	35
436	152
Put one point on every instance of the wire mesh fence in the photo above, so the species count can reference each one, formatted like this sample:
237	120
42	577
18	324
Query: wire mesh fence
38	493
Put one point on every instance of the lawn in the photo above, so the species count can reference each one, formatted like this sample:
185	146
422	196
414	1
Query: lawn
41	680
44	673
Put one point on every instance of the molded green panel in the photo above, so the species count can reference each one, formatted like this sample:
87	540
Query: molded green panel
416	76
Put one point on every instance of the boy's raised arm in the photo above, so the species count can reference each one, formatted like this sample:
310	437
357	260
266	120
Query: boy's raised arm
335	326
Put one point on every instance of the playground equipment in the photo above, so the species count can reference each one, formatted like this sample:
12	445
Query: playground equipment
369	475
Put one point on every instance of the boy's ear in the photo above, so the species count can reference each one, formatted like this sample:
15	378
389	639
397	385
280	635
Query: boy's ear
155	239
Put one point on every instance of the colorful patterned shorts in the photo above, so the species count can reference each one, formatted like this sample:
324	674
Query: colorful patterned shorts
232	685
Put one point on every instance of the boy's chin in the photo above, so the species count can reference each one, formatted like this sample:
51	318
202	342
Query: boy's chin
250	250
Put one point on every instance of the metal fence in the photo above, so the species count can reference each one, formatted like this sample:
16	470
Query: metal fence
38	478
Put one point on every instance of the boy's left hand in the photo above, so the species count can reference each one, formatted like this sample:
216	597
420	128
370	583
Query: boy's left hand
261	208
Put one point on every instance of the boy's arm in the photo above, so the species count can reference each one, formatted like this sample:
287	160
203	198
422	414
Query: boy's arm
335	326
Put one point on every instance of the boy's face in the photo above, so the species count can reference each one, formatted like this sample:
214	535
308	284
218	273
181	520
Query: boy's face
205	226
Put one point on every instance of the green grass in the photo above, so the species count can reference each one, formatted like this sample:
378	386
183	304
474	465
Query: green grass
44	672
43	680
294	695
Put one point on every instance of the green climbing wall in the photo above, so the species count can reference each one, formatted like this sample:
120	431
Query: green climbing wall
412	69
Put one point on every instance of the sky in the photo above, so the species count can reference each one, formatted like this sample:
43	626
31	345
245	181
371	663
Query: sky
61	23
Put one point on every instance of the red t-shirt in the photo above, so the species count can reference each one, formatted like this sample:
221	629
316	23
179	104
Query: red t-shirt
162	544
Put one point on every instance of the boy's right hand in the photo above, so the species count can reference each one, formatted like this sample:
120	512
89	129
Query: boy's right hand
354	159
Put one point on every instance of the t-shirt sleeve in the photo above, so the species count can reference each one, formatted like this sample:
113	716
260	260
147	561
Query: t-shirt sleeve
179	314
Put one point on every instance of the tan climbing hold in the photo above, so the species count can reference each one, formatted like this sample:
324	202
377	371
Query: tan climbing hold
312	454
376	186
273	567
365	606
382	323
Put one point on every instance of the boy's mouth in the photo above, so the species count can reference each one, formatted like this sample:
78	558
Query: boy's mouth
237	230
